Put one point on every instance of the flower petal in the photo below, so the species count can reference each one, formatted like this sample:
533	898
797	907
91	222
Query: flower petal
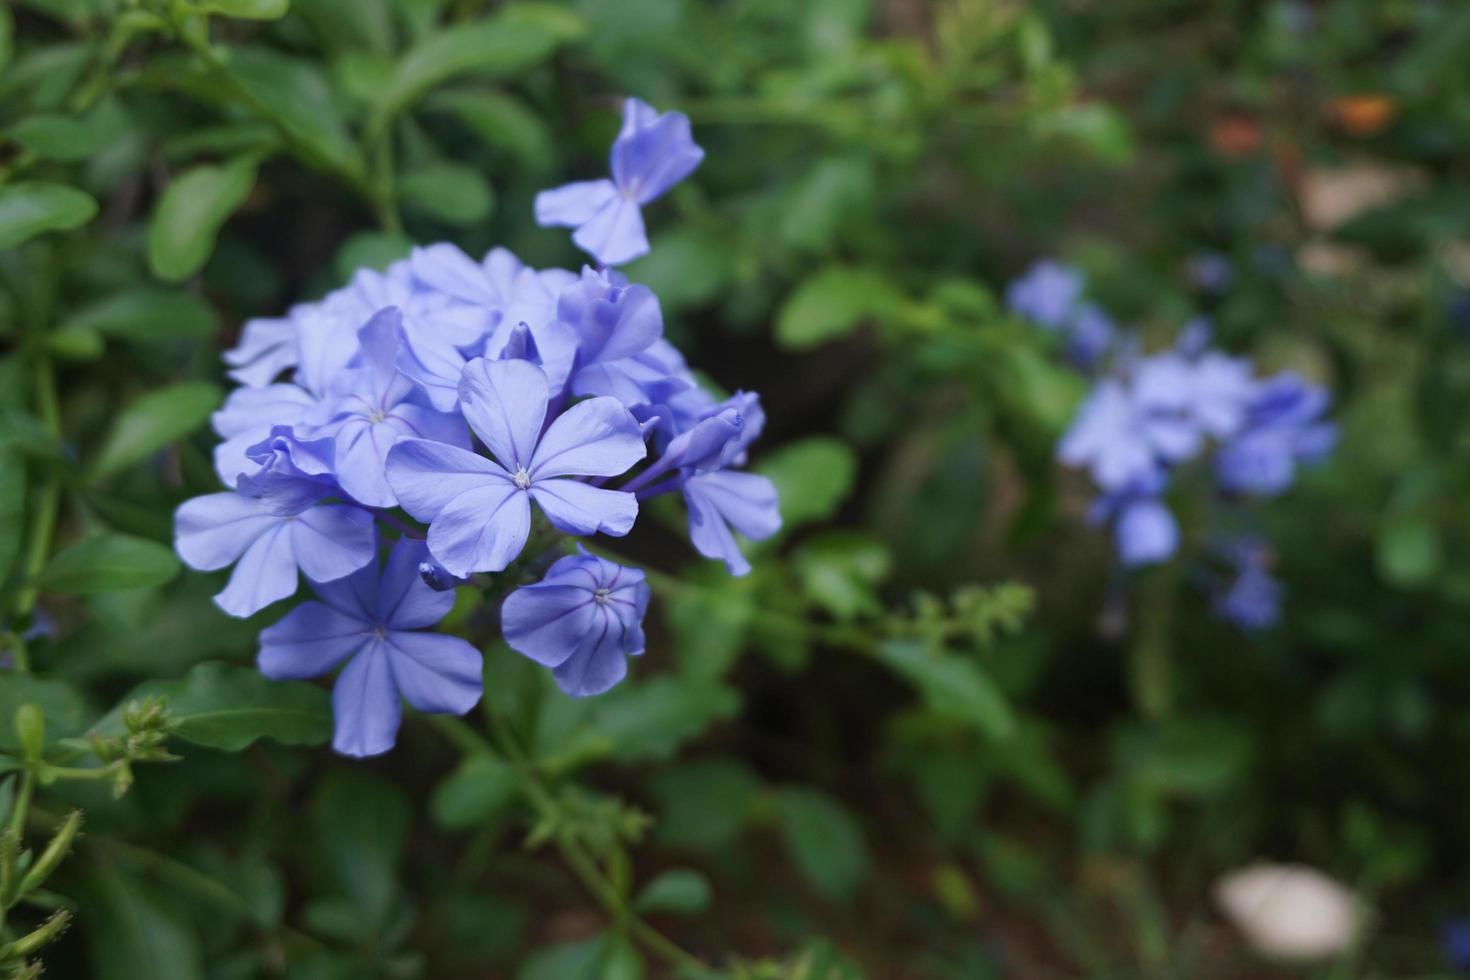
596	437
310	640
404	601
598	663
366	705
573	204
577	508
482	530
655	156
615	234
505	403
426	476
333	540
212	531
436	673
265	573
547	622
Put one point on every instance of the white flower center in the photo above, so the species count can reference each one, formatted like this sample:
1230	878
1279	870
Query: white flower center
522	479
600	596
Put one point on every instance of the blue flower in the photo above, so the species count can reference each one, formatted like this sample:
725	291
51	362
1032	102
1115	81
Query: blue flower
1144	528
1047	294
1454	940
1111	437
247	417
1283	429
728	499
372	622
1252	600
275	526
1090	332
583	620
371	405
502	293
652	153
478	509
1211	272
267	348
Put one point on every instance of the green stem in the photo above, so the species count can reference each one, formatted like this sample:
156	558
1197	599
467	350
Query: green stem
1150	658
48	504
582	863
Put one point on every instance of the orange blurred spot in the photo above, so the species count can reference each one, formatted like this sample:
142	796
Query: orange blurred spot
1362	115
1234	137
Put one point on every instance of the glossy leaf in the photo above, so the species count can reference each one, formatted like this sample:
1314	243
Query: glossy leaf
224	706
108	563
194	207
32	207
153	421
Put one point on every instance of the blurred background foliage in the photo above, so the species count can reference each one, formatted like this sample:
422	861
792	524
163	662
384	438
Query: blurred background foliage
905	746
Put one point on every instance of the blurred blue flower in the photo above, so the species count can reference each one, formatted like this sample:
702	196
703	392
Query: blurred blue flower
372	621
478	509
267	348
1252	600
1284	428
1144	529
1046	294
1090	333
583	620
651	154
1454	940
1211	272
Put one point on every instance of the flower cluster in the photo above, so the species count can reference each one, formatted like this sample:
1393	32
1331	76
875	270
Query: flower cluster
1149	415
498	407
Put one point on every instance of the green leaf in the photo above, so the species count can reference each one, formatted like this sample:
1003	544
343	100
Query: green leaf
190	214
500	46
7	37
31	207
824	841
53	136
1408	551
833	302
246	9
678	890
813	476
951	685
153	421
145	313
449	192
566	961
108	563
502	122
65	711
295	96
223	706
704	804
12	505
685	268
480	787
840	571
653	719
361	823
133	934
371	250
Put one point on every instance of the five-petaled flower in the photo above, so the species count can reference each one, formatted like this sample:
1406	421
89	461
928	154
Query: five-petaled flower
583	620
479	509
652	153
374	621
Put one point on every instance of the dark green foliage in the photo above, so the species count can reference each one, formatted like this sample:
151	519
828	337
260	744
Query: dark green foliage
856	761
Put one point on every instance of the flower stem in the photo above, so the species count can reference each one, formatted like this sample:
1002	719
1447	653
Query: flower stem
582	863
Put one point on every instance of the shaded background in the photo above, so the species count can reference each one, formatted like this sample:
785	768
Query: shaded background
877	171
